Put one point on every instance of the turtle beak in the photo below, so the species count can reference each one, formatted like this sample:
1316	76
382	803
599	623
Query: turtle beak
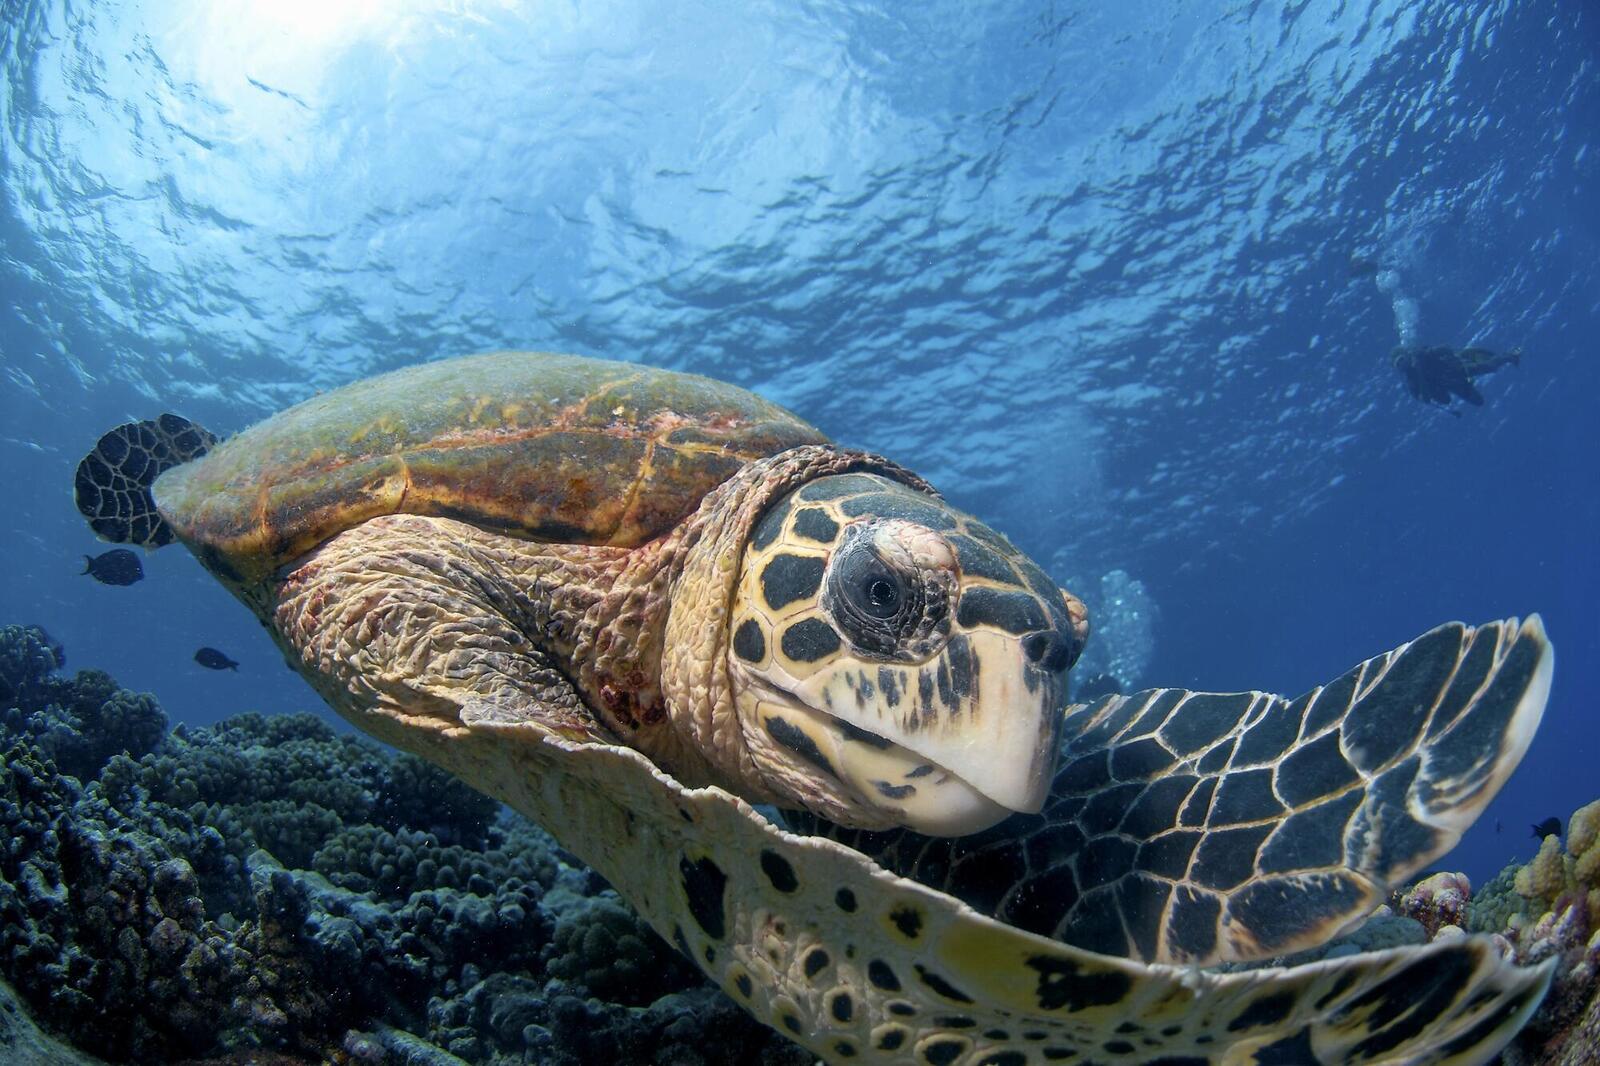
1002	739
985	713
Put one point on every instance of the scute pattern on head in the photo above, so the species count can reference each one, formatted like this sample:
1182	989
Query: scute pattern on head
695	667
898	662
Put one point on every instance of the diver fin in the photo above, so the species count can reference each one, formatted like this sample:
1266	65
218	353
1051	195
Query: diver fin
112	485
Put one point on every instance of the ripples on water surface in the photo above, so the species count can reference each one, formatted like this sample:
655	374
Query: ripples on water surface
1123	281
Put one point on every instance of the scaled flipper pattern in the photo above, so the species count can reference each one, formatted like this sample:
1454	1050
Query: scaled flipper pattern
112	484
1190	827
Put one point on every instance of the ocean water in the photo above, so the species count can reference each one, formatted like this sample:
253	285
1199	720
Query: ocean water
1121	279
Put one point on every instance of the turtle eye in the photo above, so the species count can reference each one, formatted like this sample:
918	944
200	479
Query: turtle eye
881	597
880	605
870	589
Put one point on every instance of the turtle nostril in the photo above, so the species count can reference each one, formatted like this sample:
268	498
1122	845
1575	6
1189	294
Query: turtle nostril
1049	649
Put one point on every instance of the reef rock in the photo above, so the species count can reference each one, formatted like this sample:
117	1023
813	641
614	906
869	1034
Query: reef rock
1440	901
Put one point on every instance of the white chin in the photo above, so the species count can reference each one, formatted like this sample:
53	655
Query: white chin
954	809
879	783
909	789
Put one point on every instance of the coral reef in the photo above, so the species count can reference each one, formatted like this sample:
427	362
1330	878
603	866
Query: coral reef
28	658
1494	906
270	889
1546	909
273	889
1559	918
1571	875
78	723
603	946
25	1044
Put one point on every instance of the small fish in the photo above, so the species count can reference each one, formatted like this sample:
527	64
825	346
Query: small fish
1550	827
212	659
119	566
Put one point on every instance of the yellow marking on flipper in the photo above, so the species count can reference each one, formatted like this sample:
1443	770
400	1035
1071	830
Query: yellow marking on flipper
990	964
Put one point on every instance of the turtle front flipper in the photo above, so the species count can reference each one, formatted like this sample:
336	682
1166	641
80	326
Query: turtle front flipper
112	485
417	628
1248	825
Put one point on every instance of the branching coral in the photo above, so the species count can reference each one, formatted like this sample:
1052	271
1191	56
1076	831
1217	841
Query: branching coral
28	656
396	864
78	723
1496	904
102	926
605	949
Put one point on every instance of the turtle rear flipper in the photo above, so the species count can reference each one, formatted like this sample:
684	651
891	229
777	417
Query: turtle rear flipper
1192	827
112	486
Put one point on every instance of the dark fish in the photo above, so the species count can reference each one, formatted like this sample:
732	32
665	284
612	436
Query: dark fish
212	659
119	566
1550	827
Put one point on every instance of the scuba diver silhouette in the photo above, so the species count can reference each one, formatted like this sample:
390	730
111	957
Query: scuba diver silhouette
1433	373
1438	374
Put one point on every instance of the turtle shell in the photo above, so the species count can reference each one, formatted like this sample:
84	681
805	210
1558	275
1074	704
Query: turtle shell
553	448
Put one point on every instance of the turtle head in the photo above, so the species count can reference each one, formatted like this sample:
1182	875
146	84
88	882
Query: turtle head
896	662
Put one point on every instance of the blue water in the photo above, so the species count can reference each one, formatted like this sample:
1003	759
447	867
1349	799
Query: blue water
1121	281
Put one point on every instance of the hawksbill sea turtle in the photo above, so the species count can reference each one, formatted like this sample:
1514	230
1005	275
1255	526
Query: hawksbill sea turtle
632	603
